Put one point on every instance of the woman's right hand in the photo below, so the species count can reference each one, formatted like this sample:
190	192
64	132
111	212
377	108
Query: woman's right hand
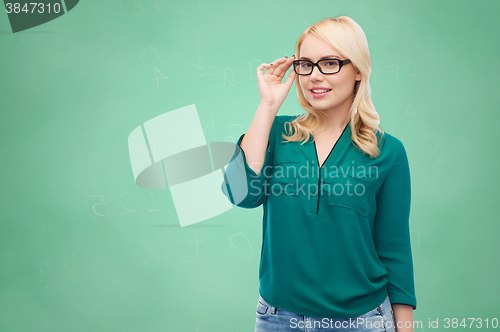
272	91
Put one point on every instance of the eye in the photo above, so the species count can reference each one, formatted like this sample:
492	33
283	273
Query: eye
331	63
305	64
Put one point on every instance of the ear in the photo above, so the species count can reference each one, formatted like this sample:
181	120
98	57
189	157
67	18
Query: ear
358	75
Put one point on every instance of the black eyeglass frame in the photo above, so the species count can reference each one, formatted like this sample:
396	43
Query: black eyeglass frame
341	64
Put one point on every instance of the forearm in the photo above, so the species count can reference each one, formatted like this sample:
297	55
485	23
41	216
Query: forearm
403	317
254	143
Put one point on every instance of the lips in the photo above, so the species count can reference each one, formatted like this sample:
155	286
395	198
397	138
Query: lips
320	92
319	89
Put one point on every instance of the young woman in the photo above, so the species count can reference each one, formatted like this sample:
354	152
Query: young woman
336	253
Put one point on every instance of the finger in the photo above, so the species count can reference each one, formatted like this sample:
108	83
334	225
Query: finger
282	68
275	64
260	69
290	79
278	71
278	61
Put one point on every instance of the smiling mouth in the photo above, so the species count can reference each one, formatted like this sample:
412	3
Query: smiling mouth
321	90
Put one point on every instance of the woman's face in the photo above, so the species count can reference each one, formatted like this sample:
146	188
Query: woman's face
341	84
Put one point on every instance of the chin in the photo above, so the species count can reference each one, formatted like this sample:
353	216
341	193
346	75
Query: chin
323	105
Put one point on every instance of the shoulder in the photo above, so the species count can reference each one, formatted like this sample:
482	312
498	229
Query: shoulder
278	126
281	120
390	142
290	118
392	147
286	118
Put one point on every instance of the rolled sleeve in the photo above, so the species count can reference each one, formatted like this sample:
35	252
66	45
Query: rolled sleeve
392	231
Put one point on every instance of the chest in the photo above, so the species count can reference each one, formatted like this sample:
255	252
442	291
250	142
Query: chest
324	145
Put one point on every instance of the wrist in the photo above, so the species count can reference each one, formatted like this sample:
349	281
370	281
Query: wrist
269	108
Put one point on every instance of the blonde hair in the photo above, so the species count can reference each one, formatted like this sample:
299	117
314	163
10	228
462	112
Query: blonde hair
347	37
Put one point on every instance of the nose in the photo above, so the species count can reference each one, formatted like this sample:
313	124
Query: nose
316	74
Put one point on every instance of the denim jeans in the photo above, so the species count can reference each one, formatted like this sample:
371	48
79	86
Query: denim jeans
269	318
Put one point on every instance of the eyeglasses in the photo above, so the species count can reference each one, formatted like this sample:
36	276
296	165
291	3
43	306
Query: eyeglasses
325	66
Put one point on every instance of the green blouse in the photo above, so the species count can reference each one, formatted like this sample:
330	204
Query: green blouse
335	239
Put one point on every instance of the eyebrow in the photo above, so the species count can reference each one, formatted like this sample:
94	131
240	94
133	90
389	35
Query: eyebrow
323	57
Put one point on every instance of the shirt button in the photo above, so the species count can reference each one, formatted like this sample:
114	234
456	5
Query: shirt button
378	309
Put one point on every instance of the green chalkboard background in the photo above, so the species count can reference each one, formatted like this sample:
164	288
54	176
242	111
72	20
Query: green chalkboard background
84	248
